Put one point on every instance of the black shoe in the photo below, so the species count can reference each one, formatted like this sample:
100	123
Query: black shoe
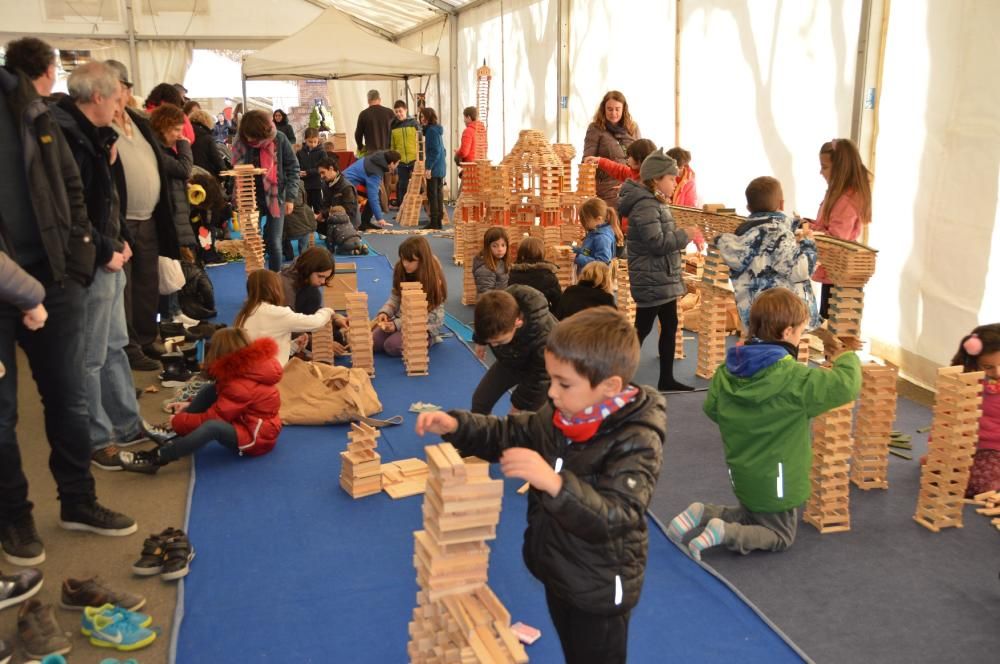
139	361
674	386
158	433
95	518
174	372
140	462
17	587
154	350
21	544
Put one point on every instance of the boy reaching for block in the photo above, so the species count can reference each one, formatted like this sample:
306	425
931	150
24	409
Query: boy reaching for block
592	455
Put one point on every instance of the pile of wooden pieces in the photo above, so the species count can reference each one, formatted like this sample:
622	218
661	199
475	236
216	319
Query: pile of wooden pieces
873	427
406	477
413	307
416	192
623	297
828	508
322	343
360	465
245	208
458	618
988	504
954	433
359	336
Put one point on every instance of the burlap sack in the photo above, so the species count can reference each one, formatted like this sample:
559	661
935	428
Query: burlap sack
316	393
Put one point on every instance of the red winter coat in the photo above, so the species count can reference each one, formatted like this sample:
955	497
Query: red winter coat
467	150
247	397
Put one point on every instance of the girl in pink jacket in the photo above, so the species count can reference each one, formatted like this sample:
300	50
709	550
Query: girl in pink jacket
980	351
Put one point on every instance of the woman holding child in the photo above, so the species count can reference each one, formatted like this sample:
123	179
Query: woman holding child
608	136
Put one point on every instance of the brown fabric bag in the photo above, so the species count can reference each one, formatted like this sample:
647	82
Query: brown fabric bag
316	393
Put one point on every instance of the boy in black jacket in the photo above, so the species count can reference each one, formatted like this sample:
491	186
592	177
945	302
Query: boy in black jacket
592	456
336	191
309	157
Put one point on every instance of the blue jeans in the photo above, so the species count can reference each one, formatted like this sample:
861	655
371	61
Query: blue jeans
55	354
273	227
114	410
217	430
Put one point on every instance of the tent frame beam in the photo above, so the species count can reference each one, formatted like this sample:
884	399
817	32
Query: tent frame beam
381	32
441	6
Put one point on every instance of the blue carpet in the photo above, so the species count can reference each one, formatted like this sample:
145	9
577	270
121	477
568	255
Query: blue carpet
291	569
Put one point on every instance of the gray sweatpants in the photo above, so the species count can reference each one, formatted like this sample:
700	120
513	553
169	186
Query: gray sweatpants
748	531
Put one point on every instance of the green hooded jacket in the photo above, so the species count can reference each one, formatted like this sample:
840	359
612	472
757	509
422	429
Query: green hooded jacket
762	402
403	138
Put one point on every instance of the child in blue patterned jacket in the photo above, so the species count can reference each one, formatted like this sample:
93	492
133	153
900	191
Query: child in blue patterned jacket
769	250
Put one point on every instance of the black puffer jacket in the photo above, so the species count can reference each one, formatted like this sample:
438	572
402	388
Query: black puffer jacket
197	297
526	351
654	247
341	192
541	276
589	544
177	165
205	151
580	296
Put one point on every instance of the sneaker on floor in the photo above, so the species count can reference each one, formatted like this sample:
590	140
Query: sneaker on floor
175	373
16	588
138	437
178	554
21	544
150	561
114	632
39	630
110	610
139	361
158	433
78	594
106	458
144	461
95	518
185	320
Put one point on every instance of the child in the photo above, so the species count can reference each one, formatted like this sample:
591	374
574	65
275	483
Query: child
515	323
338	191
685	194
604	235
366	174
264	314
403	132
654	257
635	154
593	289
531	269
592	456
304	280
240	411
847	205
416	263
309	157
491	267
766	252
762	400
980	351
342	238
20	289
299	225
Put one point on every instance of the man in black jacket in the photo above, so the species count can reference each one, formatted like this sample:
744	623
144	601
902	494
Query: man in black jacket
46	230
372	133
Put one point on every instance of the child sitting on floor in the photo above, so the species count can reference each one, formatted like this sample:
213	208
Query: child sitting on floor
604	239
980	351
592	456
491	267
239	411
416	263
593	289
531	269
763	400
342	238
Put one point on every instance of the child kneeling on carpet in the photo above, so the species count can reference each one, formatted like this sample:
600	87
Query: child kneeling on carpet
240	411
416	263
592	456
762	400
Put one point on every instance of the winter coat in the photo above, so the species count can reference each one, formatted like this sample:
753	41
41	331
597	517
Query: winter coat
526	351
17	287
599	244
306	299
435	316
341	235
302	221
435	160
487	279
762	254
762	400
287	166
589	543
177	165
654	246
368	173
467	149
197	296
403	138
278	323
285	127
372	132
610	145
205	151
844	222
542	276
54	187
580	296
309	162
685	194
246	386
341	192
618	170
220	132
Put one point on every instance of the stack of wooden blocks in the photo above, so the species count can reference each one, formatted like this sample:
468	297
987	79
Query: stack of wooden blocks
715	300
458	618
829	505
322	343
586	186
416	192
988	504
360	465
359	335
805	345
245	199
483	77
623	298
679	336
873	427
413	308
954	433
849	266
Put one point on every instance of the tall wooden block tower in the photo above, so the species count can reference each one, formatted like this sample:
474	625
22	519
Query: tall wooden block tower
873	427
829	505
245	204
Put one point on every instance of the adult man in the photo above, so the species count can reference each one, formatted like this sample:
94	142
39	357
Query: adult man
45	229
85	118
372	133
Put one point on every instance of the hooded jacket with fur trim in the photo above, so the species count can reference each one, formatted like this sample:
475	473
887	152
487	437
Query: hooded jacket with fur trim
246	385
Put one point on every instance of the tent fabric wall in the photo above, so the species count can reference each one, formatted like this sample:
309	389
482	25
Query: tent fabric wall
936	183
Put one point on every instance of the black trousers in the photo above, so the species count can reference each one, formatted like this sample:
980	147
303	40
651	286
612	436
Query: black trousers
667	313
435	201
824	300
497	380
314	197
142	284
587	638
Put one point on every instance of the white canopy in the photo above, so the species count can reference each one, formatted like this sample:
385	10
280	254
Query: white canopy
334	47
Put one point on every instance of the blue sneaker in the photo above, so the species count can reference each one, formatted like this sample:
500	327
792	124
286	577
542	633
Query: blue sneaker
116	632
110	610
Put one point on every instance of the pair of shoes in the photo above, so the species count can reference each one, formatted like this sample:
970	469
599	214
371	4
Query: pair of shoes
18	587
40	632
168	554
95	518
158	433
144	461
106	458
21	545
186	321
110	610
139	361
118	629
174	373
77	594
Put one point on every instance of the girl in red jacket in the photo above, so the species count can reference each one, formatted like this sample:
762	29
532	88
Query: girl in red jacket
686	193
240	411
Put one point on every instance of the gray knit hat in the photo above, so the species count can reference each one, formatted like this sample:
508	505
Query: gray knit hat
656	165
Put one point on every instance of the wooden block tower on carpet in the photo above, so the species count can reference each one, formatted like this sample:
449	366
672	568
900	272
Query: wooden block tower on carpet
849	266
322	343
715	298
359	335
416	192
415	339
624	299
361	465
828	507
873	427
458	618
245	197
954	432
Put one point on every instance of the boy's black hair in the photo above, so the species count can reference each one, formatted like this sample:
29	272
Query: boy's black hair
311	132
763	194
496	314
329	162
399	104
640	149
599	342
391	156
773	311
31	56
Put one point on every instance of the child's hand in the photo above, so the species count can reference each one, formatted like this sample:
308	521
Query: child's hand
695	235
339	349
387	326
289	207
438	422
525	464
178	406
481	352
590	160
381	318
340	321
34	318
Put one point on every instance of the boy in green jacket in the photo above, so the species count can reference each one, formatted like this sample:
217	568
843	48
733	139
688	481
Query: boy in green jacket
762	399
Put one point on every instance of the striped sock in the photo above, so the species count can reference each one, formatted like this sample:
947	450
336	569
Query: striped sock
685	521
711	536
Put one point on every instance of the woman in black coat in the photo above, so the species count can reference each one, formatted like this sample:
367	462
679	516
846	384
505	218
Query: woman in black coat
204	149
281	124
